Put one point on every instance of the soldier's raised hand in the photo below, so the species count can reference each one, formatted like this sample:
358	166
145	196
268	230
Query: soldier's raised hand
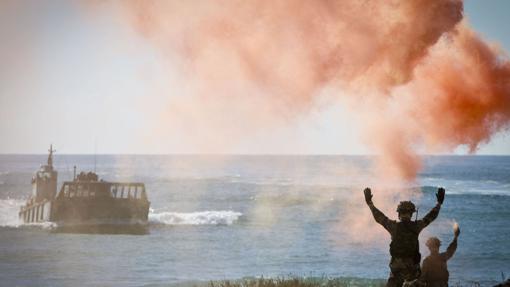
368	195
456	230
440	195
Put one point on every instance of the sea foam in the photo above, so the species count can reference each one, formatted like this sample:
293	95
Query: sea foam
221	217
9	209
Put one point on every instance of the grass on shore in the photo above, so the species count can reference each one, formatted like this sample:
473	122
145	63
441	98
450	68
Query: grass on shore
299	282
316	282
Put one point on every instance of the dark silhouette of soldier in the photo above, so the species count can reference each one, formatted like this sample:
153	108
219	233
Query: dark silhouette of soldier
434	267
404	246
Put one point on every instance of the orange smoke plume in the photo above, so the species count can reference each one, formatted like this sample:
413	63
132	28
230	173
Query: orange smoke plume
418	75
462	92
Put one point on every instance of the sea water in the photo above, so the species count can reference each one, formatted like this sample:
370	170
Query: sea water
230	217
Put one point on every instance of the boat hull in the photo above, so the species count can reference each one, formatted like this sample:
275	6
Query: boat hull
102	228
90	215
78	210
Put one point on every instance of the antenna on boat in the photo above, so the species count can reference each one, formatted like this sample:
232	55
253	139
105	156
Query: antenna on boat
64	157
50	156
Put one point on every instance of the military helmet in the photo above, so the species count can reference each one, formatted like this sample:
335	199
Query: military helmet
406	206
433	242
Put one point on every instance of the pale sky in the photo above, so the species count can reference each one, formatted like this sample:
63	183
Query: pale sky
89	83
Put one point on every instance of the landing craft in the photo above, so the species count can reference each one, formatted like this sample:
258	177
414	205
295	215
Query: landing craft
86	204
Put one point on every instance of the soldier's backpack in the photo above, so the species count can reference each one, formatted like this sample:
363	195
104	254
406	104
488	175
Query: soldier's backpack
404	243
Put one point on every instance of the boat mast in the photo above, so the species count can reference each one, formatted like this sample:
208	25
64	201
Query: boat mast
50	156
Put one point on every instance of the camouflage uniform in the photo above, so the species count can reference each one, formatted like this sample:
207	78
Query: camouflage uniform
434	267
404	246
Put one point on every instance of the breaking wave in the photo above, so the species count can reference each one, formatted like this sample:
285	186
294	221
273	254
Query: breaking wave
222	217
9	209
9	212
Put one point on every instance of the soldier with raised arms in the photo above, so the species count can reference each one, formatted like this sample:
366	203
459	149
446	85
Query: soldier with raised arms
434	267
404	246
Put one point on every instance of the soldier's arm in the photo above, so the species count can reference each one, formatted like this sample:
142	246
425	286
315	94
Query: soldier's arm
453	245
451	249
432	215
381	218
377	214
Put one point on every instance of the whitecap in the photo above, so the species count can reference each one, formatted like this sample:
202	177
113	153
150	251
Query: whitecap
9	209
221	217
47	225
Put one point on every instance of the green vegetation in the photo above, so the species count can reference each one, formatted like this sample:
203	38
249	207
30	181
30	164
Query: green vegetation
294	281
299	282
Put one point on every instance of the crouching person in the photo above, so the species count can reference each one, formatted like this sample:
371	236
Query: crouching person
434	268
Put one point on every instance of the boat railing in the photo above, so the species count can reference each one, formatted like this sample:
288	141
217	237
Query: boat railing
117	190
128	190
